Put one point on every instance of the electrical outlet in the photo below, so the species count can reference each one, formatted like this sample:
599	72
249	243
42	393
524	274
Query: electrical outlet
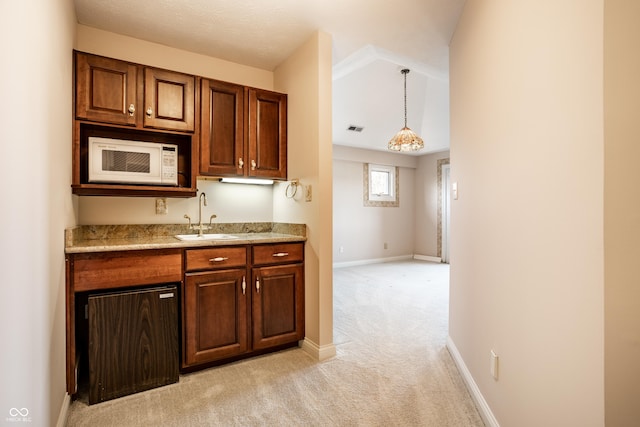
161	206
341	249
307	193
386	246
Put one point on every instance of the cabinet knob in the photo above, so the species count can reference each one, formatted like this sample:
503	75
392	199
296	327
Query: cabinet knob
240	163
244	285
132	109
258	285
218	259
281	254
253	165
149	111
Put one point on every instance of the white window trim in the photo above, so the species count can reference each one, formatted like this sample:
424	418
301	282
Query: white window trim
376	200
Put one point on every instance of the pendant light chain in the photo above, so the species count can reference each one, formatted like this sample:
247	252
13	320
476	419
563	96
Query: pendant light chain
405	71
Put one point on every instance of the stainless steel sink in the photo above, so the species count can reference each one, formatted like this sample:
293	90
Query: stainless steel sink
202	237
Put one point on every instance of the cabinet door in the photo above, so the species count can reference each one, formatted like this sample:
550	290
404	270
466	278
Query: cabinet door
222	134
169	100
267	139
215	315
277	305
105	90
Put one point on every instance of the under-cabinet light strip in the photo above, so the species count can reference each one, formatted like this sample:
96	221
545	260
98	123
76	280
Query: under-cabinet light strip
247	181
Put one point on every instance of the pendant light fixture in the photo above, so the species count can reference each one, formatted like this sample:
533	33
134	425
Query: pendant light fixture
406	139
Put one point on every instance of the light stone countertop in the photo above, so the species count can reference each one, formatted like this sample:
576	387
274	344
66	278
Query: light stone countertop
107	238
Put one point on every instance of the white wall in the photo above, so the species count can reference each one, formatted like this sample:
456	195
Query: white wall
230	202
362	231
527	230
35	127
410	229
426	199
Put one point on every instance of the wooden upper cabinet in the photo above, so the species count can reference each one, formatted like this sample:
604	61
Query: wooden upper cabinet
243	131
106	90
267	139
222	133
119	92
169	100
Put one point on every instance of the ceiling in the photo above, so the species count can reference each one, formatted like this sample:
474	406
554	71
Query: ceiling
372	41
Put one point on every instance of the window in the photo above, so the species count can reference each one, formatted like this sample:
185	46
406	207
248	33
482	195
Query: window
381	185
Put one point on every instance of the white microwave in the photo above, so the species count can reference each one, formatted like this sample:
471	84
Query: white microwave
132	162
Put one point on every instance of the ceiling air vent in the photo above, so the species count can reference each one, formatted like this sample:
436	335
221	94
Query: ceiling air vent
355	128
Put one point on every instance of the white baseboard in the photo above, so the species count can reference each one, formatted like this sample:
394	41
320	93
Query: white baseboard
64	409
482	405
319	353
371	261
427	258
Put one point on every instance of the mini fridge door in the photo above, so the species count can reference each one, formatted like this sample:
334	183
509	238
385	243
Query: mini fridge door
133	341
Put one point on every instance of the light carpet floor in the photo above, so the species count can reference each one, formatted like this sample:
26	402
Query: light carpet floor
391	369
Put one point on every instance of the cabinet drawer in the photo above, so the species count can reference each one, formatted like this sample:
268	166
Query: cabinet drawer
213	258
278	253
108	270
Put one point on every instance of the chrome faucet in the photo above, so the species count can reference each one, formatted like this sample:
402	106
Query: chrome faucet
203	197
200	226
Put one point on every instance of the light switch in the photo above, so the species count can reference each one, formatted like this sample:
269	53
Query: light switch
454	190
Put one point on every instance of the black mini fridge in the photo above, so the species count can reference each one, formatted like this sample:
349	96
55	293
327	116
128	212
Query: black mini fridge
133	341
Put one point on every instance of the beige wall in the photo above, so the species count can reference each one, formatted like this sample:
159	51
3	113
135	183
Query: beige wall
362	231
35	83
527	273
306	77
426	201
622	212
113	45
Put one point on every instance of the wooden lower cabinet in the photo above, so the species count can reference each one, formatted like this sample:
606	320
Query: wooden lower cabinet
231	311
215	308
277	305
236	301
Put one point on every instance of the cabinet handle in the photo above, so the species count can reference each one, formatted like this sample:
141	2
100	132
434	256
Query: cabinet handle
218	259
132	109
258	284
244	285
240	163
253	165
149	111
279	254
